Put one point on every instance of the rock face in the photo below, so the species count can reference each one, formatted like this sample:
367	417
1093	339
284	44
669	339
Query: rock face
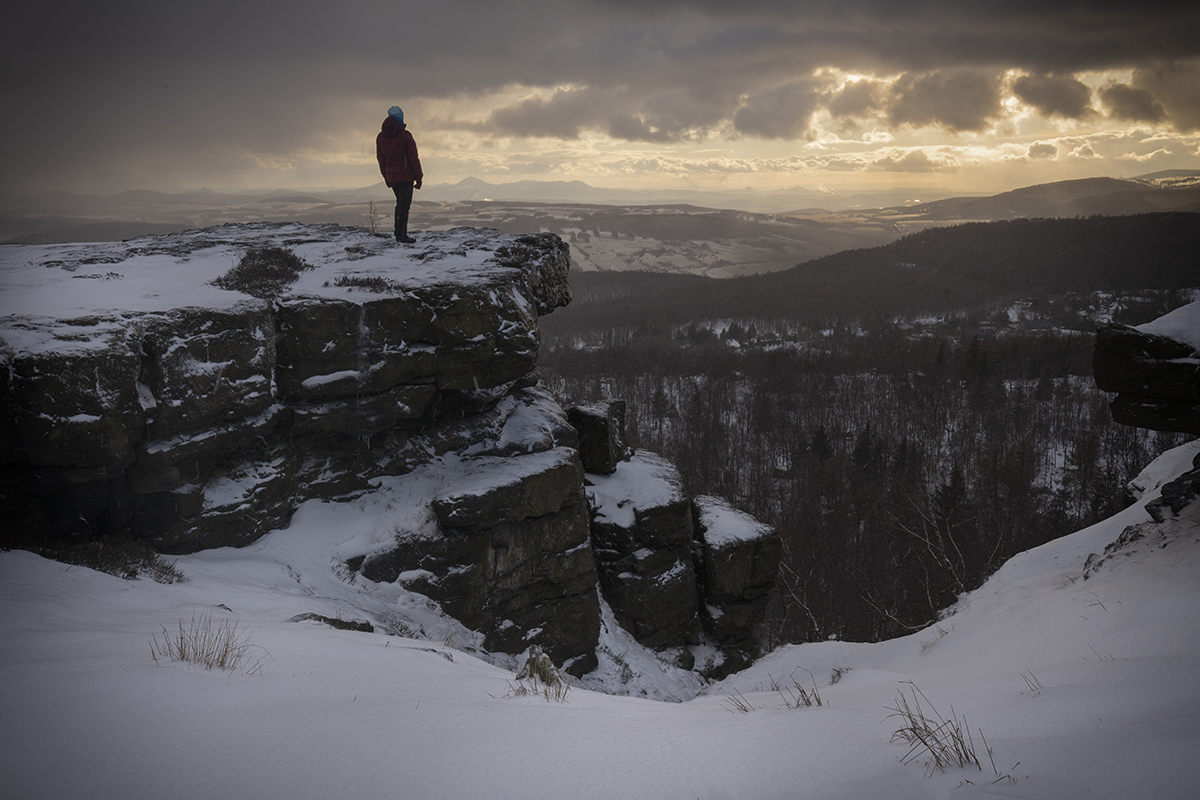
737	560
1155	369
510	556
1177	494
145	392
642	533
601	429
676	571
194	417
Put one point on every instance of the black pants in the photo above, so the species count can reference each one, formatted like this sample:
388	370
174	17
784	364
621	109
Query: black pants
404	195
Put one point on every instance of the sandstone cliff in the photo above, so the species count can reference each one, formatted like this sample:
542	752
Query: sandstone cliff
193	390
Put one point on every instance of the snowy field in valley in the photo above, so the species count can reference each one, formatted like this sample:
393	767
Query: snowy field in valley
1082	687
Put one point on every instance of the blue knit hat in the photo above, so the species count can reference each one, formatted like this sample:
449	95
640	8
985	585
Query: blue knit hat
397	112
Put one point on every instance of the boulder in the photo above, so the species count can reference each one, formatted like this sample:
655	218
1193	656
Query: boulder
737	563
511	489
1176	494
510	556
601	429
642	535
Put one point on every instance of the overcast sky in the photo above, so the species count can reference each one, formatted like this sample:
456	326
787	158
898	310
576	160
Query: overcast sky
963	94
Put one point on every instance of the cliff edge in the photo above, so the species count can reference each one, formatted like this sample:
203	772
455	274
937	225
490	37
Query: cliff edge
193	390
1155	370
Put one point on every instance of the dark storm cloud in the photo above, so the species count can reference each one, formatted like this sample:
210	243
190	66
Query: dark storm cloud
622	114
1126	102
1176	87
561	115
94	91
857	99
962	101
1049	94
919	35
779	113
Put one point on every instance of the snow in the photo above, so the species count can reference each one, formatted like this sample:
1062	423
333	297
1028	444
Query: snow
65	297
1083	688
643	482
526	421
481	476
1164	469
1182	324
317	381
724	525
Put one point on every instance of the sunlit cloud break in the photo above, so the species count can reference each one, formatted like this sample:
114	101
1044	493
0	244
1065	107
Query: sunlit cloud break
970	95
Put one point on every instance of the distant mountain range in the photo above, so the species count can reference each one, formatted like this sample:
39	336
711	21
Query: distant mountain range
63	216
1086	197
747	199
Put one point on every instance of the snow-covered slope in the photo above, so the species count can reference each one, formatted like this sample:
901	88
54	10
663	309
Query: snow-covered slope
1082	687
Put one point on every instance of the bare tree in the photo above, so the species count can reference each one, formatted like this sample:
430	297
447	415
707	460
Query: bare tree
373	217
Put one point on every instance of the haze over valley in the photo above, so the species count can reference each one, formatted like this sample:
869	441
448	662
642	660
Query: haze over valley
704	233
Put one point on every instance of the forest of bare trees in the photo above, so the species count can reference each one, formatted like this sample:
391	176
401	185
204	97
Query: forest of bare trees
901	463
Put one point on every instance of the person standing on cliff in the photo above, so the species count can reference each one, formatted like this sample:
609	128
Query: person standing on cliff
396	151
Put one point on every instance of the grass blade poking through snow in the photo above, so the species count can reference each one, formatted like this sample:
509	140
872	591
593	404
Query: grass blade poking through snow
222	647
799	697
946	741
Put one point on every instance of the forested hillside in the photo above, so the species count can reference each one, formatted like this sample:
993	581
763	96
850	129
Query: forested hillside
964	267
903	456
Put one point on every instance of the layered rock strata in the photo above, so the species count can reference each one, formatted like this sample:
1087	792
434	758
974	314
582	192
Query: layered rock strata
676	571
642	533
148	390
156	404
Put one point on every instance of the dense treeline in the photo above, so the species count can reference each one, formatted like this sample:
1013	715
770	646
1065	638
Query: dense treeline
970	266
901	464
900	414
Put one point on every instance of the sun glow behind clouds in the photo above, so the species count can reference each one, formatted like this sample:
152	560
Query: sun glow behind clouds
613	92
1038	129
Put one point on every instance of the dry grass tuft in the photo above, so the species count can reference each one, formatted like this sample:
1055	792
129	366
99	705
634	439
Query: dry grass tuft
944	742
539	678
533	687
796	696
221	647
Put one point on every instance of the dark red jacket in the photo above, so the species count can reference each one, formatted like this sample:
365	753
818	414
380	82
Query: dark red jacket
396	151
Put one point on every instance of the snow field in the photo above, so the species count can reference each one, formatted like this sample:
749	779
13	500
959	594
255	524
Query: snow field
87	713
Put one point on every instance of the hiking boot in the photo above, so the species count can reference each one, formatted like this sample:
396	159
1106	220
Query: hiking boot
406	240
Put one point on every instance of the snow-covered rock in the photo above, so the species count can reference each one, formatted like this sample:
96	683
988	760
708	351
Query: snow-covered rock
642	530
194	390
680	573
142	398
737	563
1155	368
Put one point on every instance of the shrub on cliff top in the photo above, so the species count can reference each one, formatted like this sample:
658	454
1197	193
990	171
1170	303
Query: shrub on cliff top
119	557
263	272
